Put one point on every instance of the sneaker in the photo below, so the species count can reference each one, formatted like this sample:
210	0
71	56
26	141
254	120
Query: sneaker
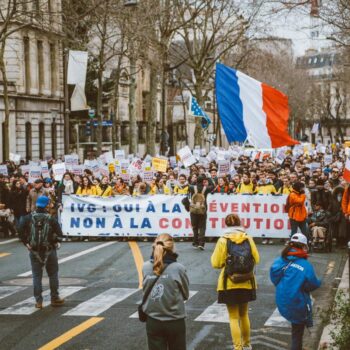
264	241
57	302
270	241
194	245
39	305
200	247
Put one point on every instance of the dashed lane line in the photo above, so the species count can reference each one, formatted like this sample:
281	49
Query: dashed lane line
9	241
74	256
138	258
65	337
2	255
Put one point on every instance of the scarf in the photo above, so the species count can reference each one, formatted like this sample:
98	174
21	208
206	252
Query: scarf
68	186
298	252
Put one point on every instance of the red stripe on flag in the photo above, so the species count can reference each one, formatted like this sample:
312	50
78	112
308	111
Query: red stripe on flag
346	174
275	105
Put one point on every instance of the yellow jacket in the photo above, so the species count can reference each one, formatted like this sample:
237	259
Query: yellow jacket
153	190
266	189
87	191
285	190
218	258
242	188
106	193
181	190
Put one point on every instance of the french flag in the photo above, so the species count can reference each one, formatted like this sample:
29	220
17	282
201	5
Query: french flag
251	110
346	173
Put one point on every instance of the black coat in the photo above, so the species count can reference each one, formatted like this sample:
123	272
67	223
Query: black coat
18	200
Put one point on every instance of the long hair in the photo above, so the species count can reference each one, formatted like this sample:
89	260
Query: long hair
162	244
291	245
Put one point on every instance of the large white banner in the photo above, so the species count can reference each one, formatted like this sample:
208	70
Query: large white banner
262	215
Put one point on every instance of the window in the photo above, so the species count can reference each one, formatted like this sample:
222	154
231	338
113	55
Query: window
53	69
3	141
41	140
54	140
26	53
28	141
40	66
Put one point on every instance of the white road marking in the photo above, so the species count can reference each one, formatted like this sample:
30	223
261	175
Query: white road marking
266	339
100	303
74	256
6	291
9	241
214	313
192	293
276	320
27	307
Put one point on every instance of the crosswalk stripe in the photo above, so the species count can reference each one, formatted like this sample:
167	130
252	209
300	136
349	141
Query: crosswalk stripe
74	256
6	291
101	302
9	241
276	320
214	313
192	293
27	306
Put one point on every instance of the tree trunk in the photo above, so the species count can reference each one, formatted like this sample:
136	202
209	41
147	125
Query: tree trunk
198	131
6	134
116	144
132	110
152	113
99	111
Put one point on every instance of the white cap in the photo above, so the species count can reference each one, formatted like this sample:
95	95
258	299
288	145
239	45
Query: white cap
300	238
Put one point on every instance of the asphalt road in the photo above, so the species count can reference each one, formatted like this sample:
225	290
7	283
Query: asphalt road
100	282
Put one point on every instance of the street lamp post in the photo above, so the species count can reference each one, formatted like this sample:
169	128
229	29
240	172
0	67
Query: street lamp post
66	104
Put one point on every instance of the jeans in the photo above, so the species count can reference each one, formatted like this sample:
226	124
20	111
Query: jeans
297	336
52	271
199	225
166	335
298	224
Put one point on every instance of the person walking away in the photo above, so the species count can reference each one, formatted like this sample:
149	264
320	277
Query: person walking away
42	234
294	278
37	191
198	210
18	199
166	283
296	208
236	255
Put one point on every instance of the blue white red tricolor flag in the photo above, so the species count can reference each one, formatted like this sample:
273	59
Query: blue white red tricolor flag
197	111
251	110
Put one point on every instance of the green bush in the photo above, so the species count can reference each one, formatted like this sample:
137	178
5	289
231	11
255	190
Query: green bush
341	319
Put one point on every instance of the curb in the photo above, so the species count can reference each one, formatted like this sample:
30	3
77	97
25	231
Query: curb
326	340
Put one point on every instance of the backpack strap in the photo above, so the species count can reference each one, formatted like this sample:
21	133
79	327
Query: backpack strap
204	189
195	189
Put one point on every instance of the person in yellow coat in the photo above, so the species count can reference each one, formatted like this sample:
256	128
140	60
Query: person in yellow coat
236	294
104	189
86	188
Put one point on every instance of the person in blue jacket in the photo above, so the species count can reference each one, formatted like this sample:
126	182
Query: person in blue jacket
294	278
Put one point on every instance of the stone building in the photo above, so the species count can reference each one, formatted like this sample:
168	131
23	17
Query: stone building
34	66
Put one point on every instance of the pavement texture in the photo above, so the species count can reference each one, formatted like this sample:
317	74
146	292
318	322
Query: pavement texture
100	282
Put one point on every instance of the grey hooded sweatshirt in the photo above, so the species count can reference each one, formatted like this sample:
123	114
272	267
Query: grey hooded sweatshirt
166	302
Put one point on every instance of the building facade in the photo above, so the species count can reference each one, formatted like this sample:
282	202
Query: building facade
34	66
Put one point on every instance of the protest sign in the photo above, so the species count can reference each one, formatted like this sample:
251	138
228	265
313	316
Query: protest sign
119	154
58	171
328	159
172	161
44	169
135	167
160	164
262	216
25	169
223	167
34	173
281	156
211	156
3	170
77	169
147	175
108	157
15	158
70	160
104	171
186	156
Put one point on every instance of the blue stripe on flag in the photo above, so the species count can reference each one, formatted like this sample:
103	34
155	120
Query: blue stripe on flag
230	106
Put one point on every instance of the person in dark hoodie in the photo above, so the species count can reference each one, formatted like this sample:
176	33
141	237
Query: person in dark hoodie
294	278
198	210
166	285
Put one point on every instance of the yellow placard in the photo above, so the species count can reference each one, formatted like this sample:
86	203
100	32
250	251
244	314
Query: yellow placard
159	164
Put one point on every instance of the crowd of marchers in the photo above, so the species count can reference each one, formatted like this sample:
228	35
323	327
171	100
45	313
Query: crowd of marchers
318	197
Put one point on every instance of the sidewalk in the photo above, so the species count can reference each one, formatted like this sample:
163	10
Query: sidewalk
326	339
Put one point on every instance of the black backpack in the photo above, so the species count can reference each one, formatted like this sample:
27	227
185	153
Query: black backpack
239	261
39	231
